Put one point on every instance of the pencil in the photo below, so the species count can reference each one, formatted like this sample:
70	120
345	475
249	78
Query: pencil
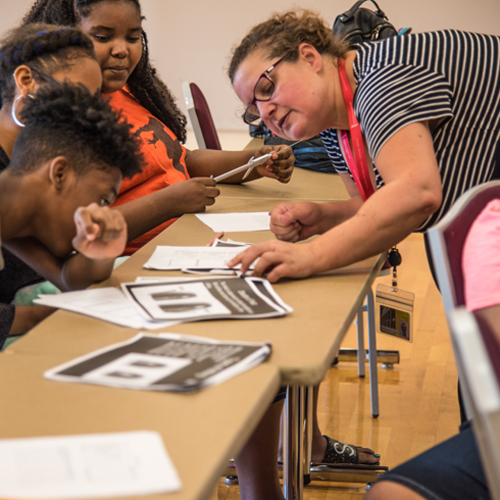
218	236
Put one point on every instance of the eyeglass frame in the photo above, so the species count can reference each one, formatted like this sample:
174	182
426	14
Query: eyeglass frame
265	74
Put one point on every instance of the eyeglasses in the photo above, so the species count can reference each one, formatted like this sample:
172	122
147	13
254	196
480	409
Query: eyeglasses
263	91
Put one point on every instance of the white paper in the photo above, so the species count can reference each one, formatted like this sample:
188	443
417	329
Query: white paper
108	304
170	258
86	466
237	222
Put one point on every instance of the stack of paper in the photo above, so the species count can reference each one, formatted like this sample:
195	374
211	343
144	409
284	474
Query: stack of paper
164	362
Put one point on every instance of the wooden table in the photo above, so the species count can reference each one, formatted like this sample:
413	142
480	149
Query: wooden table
200	431
304	342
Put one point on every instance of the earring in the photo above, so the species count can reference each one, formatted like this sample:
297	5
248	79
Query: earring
16	120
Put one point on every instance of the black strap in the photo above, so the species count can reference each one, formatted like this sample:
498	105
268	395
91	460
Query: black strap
349	14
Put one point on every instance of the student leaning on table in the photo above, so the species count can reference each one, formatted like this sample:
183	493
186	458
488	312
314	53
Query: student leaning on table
428	111
154	198
29	57
66	168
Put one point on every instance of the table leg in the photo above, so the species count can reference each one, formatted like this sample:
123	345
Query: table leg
293	434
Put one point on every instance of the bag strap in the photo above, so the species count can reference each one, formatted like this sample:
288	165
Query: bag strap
357	164
349	14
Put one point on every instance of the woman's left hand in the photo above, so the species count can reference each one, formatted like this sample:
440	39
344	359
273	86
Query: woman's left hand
280	166
277	259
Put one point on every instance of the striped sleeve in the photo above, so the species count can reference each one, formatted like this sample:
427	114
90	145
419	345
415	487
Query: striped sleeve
398	95
331	143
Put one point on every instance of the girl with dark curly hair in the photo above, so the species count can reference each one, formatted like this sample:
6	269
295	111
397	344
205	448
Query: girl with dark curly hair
131	84
65	170
30	56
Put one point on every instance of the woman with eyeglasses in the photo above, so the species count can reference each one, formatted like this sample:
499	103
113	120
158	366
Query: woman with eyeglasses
29	57
422	114
428	116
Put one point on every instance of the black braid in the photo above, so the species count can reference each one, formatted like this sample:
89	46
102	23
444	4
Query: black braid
144	83
64	119
43	47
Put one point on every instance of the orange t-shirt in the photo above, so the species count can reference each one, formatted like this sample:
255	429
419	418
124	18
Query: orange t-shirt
164	159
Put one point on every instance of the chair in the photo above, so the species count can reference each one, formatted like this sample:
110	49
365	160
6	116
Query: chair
477	354
200	116
447	240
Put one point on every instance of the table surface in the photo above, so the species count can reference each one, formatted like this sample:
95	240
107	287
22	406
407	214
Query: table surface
304	342
201	431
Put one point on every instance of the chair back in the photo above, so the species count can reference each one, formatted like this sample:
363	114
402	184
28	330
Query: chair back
447	240
477	353
200	116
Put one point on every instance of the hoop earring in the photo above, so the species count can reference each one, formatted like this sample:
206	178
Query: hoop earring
13	111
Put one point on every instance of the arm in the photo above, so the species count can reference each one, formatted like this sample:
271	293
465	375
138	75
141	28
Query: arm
207	162
147	212
412	193
101	234
27	317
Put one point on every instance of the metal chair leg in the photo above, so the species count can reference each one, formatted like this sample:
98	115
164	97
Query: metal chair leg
372	346
360	329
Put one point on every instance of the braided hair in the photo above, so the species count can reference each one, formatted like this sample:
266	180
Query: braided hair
65	119
44	48
144	83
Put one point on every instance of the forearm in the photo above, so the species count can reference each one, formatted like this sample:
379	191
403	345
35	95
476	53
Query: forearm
207	162
337	212
385	219
27	317
74	273
148	212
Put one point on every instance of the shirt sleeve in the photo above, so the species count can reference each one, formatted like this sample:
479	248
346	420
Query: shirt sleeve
331	143
389	98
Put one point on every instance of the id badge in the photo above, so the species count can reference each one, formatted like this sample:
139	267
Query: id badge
394	312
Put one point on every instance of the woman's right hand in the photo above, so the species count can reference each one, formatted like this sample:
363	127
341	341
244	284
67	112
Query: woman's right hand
195	194
295	221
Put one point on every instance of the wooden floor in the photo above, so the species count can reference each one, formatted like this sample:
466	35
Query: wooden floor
418	398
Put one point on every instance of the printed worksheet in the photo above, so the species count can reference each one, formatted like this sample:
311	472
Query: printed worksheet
237	222
171	258
108	304
86	466
164	362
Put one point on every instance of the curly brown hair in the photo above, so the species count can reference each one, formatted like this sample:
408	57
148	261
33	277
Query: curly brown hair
283	33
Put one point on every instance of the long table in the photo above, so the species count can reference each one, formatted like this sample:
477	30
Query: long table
304	342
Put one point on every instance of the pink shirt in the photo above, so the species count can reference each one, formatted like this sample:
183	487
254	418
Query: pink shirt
481	259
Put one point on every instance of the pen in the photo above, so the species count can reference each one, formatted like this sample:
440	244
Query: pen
217	236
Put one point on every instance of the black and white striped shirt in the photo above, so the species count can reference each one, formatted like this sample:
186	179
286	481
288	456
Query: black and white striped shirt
450	76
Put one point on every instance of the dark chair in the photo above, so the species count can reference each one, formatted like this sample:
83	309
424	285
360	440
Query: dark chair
477	354
200	116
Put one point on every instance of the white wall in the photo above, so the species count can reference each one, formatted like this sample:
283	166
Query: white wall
191	40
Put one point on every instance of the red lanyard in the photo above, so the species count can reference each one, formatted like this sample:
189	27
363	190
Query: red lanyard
357	164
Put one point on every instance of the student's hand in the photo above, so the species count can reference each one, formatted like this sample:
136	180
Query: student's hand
101	232
195	194
295	221
277	259
280	166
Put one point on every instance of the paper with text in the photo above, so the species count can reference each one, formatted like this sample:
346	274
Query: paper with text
86	466
109	304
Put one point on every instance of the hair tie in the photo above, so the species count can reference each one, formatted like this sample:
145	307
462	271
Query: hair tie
75	39
37	46
42	33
